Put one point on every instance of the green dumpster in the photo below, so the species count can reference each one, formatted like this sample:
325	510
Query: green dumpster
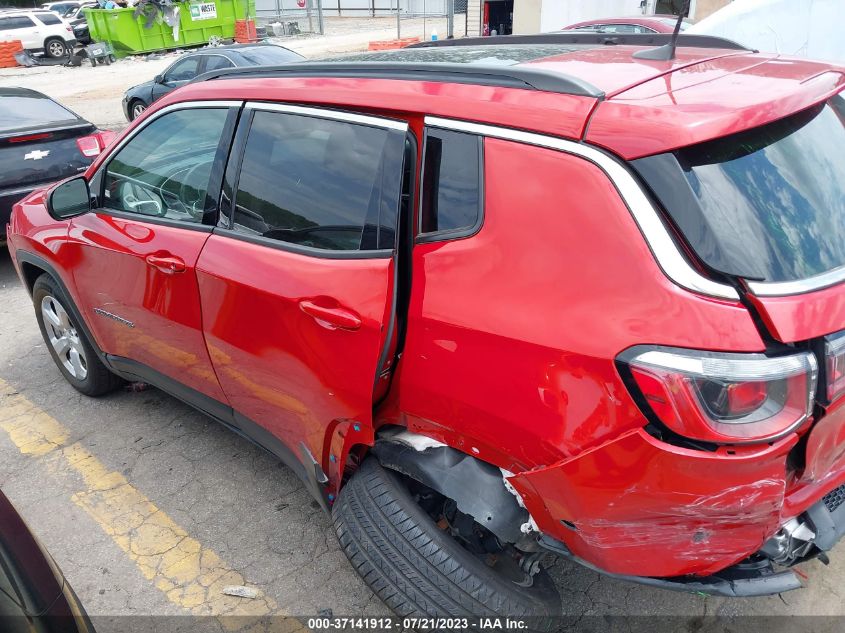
198	22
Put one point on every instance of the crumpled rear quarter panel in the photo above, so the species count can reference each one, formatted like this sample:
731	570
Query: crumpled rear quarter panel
645	508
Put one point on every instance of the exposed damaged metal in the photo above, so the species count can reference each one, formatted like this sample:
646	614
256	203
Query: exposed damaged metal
477	487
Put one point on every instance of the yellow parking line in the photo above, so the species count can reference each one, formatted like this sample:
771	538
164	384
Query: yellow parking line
189	574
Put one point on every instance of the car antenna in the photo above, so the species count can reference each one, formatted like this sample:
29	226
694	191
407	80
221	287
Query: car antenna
667	51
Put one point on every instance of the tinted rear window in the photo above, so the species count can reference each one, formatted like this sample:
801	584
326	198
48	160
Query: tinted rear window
29	111
766	204
269	55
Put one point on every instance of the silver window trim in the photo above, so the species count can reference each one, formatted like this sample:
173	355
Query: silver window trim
669	257
207	55
799	286
173	107
334	115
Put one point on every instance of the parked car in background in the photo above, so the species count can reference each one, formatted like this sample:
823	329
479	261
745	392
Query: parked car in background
60	8
38	31
191	65
41	141
34	594
78	22
490	299
638	24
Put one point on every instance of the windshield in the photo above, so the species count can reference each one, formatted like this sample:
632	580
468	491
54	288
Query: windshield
270	55
767	204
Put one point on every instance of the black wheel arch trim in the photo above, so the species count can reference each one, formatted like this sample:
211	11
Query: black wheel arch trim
477	487
25	257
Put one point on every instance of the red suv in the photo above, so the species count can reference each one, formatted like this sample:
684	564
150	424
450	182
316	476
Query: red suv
491	302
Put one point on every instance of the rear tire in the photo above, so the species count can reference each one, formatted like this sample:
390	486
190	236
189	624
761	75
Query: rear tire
420	570
65	340
55	47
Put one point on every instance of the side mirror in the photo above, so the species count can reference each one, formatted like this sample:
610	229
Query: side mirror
159	79
70	198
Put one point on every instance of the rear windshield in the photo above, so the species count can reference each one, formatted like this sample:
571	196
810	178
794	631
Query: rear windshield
23	111
270	55
767	204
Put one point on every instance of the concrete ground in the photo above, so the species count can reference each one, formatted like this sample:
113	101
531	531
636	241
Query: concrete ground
95	93
150	508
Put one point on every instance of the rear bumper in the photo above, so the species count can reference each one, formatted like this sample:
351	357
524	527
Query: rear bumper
684	519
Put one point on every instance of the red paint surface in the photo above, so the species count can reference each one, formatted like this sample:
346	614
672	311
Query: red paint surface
279	366
111	272
804	316
646	508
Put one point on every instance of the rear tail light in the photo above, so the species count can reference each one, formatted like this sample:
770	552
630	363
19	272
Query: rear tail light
834	355
725	398
93	145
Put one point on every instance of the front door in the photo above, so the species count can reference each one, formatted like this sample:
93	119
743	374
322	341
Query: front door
178	75
137	252
297	287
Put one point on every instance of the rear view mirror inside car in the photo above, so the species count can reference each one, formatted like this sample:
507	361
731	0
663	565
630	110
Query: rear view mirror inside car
69	199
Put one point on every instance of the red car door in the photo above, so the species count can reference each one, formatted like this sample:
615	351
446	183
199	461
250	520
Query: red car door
137	252
297	287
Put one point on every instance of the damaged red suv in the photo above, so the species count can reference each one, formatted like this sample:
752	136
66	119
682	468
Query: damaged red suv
492	302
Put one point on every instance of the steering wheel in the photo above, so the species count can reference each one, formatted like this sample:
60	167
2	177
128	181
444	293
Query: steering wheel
190	198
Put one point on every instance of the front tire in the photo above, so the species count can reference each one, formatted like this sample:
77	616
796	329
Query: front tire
417	568
67	343
55	47
136	108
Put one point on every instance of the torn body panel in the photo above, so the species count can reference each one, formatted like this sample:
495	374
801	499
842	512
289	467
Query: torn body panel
638	506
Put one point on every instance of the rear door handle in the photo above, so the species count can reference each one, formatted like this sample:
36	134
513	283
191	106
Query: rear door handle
167	263
338	317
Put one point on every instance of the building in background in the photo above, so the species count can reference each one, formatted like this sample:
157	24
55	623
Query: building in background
537	16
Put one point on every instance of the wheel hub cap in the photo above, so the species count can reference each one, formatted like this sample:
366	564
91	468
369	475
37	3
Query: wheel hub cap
64	338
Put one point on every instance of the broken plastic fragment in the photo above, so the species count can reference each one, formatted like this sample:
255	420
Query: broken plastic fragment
240	591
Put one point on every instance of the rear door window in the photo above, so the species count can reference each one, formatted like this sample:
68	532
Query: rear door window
767	204
217	62
452	169
319	183
16	22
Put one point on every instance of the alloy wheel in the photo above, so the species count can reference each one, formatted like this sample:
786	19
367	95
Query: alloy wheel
64	337
56	49
137	109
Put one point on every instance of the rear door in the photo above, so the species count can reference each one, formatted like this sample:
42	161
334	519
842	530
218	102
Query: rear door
134	265
297	285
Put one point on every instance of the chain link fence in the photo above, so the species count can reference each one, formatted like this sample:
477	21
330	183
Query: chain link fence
289	17
415	17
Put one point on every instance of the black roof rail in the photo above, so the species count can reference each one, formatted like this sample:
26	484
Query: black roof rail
591	37
518	76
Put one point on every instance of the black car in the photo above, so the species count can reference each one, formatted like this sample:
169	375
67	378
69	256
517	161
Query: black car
78	22
34	595
41	141
140	97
